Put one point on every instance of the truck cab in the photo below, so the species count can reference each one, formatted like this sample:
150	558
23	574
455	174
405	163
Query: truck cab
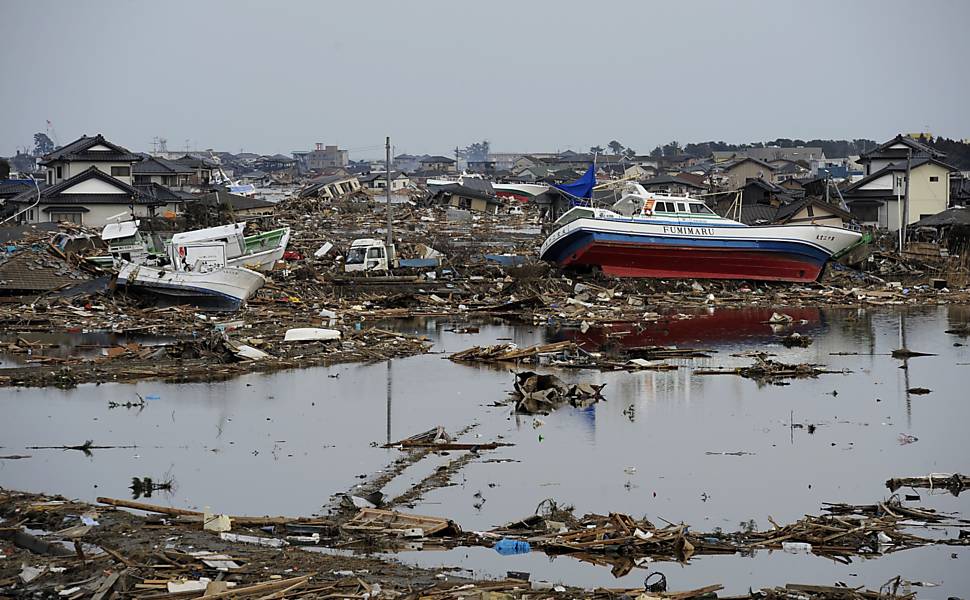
369	255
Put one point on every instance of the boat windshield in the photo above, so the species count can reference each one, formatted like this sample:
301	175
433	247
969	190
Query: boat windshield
700	209
356	256
573	214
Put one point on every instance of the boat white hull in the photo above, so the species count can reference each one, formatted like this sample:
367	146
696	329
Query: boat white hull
264	260
519	191
229	286
636	248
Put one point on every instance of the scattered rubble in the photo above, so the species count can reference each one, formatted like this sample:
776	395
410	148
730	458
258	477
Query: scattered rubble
541	394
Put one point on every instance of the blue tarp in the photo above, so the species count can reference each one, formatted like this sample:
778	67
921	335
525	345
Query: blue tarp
582	187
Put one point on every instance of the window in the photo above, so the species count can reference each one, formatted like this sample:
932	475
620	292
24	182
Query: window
60	172
681	207
356	256
934	178
120	171
811	210
375	253
700	209
66	217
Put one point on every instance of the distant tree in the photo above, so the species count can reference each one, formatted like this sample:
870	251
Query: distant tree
672	149
630	153
42	144
596	150
615	147
4	168
657	152
475	152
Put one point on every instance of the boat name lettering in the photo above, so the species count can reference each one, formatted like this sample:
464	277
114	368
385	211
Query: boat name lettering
683	230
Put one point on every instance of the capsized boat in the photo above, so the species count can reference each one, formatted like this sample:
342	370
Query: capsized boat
654	235
227	287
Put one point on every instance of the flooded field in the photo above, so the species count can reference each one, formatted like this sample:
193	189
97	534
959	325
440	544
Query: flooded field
709	450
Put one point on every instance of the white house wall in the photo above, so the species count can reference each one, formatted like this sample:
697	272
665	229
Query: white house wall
93	186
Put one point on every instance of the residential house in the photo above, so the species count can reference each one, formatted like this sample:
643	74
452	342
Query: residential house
639	172
487	166
274	163
895	151
786	169
812	210
757	204
536	173
86	153
759	191
242	206
165	172
437	164
378	180
739	172
877	199
331	187
671	184
799	153
202	169
408	163
88	198
473	197
527	161
172	200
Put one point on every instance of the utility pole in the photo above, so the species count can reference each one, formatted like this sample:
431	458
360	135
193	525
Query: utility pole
909	166
387	190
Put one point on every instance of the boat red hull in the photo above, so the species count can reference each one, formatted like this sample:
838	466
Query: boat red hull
640	260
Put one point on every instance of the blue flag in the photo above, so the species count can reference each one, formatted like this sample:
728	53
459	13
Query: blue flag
582	188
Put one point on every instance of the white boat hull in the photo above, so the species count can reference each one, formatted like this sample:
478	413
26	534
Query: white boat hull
228	286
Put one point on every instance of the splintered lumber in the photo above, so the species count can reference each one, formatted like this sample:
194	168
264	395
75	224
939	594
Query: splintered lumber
390	521
249	590
196	516
438	439
510	352
953	482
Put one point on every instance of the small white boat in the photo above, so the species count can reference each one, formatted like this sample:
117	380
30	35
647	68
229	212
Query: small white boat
257	252
227	287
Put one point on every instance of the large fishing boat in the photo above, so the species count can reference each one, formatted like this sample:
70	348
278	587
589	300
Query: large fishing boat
655	235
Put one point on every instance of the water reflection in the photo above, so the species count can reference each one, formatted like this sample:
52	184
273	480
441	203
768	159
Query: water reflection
306	435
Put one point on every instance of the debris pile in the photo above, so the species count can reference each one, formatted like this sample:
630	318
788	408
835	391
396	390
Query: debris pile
766	370
541	394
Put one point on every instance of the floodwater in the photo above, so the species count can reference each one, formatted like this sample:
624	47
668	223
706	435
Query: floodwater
283	443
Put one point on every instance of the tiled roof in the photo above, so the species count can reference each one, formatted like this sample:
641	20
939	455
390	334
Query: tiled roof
236	201
161	193
80	150
161	166
33	271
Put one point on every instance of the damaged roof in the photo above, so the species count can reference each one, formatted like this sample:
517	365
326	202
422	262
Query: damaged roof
31	271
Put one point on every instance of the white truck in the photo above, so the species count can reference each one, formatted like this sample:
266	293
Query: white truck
367	254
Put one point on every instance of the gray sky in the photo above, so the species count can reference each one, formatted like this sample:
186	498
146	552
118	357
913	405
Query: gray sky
275	76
